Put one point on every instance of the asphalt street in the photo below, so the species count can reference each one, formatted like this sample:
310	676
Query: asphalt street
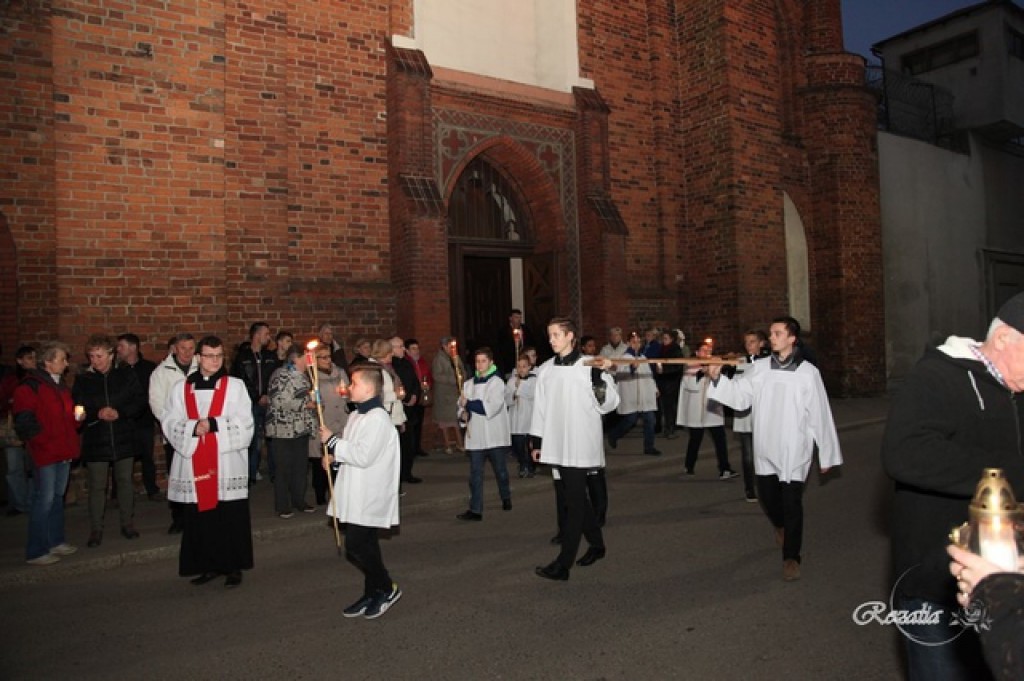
691	588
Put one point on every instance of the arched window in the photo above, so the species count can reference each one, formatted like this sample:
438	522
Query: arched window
485	206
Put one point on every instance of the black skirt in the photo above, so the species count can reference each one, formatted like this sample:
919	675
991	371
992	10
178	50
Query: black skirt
219	540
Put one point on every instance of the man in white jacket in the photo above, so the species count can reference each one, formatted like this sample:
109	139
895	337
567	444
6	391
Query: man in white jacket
482	408
366	493
792	414
181	362
566	433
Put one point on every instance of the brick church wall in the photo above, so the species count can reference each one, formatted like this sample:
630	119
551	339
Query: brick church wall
199	165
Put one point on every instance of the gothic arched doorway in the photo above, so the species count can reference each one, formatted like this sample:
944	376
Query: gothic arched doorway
493	269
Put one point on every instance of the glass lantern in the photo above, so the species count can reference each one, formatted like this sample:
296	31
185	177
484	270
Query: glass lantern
995	521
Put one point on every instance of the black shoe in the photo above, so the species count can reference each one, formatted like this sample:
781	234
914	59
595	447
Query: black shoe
653	452
554	571
11	512
591	556
506	504
129	532
234	579
557	539
204	578
469	515
175	528
423	452
95	539
412	480
613	443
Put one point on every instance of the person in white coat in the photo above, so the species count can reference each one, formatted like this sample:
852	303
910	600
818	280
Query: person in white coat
519	400
698	413
638	397
482	409
569	401
367	455
791	415
180	363
755	345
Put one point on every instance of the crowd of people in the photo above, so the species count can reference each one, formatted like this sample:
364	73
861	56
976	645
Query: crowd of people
357	426
218	411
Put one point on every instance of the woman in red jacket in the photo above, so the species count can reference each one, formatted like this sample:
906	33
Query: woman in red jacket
45	419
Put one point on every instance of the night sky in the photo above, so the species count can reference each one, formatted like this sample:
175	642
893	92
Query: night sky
866	22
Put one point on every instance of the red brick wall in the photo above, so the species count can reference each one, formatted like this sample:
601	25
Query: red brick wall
27	157
199	165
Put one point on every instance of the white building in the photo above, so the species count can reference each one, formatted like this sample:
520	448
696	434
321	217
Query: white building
951	157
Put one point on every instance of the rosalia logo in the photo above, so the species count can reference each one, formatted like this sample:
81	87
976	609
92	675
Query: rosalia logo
878	612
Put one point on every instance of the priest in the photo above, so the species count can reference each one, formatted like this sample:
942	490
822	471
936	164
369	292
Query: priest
208	420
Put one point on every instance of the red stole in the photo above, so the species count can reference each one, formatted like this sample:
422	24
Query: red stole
205	460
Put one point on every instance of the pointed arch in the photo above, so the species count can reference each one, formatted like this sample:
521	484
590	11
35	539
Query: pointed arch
540	197
797	270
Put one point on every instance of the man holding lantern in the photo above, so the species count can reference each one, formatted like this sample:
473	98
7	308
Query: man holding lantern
956	414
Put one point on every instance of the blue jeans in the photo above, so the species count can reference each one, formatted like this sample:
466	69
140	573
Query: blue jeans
628	420
497	455
19	488
941	652
46	517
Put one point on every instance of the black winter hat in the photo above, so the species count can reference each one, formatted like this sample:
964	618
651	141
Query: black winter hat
1012	312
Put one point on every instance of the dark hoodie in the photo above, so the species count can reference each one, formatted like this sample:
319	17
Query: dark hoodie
949	420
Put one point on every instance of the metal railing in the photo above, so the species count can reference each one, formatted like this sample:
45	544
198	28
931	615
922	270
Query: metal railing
912	107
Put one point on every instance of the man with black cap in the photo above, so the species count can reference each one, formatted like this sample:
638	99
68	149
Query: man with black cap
957	413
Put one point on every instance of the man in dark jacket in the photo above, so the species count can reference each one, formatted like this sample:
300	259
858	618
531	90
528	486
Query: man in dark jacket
129	354
113	400
254	364
411	404
956	414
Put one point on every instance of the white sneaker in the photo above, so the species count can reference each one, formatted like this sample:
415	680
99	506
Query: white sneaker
64	549
728	475
45	559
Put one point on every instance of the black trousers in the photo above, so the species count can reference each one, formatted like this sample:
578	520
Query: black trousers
747	460
362	549
721	451
321	487
580	519
144	453
597	491
408	454
783	503
177	508
414	424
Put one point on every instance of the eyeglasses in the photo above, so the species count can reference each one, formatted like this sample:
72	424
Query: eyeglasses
323	356
206	356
